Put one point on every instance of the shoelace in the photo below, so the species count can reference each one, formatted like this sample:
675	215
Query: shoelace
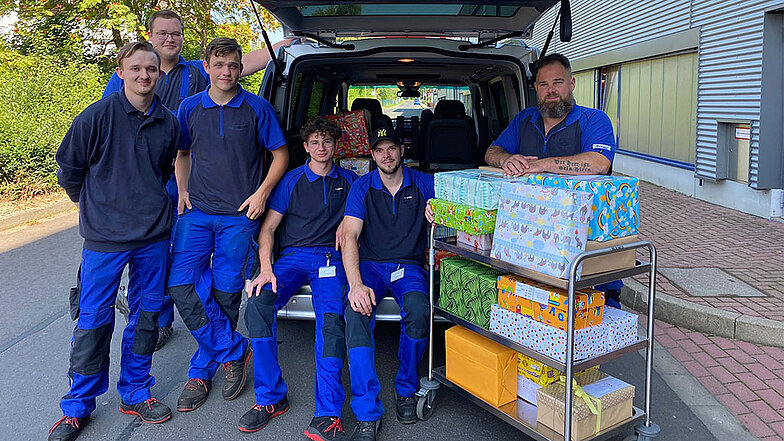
150	401
269	408
195	383
336	426
227	369
71	421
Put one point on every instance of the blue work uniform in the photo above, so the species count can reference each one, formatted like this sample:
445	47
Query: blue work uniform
312	208
583	130
391	257
186	78
227	146
115	161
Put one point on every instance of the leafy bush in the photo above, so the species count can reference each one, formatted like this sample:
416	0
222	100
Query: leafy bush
39	98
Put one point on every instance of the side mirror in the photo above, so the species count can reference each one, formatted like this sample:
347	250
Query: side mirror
566	21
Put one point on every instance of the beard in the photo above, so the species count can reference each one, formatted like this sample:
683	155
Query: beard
393	170
557	109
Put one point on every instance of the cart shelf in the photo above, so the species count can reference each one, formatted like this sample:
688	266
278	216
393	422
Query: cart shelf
539	432
577	366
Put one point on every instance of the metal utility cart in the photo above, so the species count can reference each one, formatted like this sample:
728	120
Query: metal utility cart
640	421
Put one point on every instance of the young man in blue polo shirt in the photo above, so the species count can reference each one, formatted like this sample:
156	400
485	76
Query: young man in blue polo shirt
222	192
113	164
308	205
384	240
557	136
179	80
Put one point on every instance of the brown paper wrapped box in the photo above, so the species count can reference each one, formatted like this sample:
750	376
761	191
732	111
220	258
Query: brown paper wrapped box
481	366
611	262
616	406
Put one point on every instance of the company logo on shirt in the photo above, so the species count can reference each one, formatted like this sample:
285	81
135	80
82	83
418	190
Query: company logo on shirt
339	188
407	197
601	147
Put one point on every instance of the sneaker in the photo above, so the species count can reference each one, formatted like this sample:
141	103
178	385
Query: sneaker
259	416
194	394
406	409
236	374
164	334
150	411
326	428
612	298
366	430
67	428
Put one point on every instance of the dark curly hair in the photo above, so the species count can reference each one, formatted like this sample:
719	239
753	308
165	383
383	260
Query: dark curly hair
322	126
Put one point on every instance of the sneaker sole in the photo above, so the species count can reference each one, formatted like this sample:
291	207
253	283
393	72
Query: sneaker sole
244	377
135	413
256	429
411	421
314	436
190	409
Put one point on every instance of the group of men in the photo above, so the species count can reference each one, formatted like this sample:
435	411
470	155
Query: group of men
353	240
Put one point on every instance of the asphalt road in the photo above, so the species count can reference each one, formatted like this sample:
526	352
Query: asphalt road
406	108
38	266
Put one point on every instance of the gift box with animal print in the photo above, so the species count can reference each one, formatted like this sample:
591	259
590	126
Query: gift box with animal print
468	289
615	210
541	228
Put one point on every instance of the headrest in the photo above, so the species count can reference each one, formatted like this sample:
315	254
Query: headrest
371	104
427	113
450	109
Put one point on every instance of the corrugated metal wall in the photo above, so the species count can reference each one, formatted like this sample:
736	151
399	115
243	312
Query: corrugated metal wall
730	55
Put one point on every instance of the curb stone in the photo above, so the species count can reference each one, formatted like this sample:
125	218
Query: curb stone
32	214
704	319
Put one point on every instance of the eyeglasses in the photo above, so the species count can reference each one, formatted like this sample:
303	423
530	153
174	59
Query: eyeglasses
163	35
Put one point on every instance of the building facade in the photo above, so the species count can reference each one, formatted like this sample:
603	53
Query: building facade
694	88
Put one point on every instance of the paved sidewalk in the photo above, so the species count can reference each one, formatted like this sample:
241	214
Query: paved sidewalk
747	378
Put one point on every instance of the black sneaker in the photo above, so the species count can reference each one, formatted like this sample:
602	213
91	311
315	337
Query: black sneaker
366	430
326	428
406	409
259	416
67	428
194	394
236	374
164	334
150	411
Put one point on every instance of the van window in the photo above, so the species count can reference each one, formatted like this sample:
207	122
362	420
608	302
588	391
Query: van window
394	106
316	98
499	103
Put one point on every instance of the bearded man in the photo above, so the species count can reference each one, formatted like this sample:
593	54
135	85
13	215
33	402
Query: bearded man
557	136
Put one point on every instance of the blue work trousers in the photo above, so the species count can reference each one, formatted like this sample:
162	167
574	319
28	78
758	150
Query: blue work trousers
296	267
209	255
410	294
89	363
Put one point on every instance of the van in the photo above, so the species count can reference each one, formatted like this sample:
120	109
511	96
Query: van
448	76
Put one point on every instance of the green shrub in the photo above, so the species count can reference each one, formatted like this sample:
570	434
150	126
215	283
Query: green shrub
39	98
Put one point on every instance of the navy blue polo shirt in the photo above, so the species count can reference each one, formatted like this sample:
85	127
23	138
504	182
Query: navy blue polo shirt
583	130
313	205
395	228
227	148
186	78
115	161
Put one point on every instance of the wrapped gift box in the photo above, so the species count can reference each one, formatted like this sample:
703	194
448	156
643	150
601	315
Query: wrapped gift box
354	140
541	228
463	217
621	328
513	294
481	242
526	389
610	262
545	339
468	289
613	396
360	166
440	255
536	371
481	366
615	208
476	188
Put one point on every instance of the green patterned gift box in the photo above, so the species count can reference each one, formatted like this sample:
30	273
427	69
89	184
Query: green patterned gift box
463	217
468	289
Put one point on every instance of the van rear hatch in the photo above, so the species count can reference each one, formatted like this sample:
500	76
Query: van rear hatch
331	19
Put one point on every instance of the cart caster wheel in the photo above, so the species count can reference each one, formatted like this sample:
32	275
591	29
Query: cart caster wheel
426	405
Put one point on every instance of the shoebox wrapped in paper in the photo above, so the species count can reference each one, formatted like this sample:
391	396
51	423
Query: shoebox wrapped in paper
541	228
468	289
548	304
481	366
463	217
621	328
615	210
599	401
476	188
480	242
440	255
360	166
354	139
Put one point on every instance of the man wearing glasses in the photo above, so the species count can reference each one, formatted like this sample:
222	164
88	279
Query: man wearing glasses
179	80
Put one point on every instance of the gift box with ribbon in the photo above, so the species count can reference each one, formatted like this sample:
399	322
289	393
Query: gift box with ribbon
599	401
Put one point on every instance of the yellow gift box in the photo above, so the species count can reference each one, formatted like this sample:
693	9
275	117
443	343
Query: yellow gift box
599	402
481	366
536	371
